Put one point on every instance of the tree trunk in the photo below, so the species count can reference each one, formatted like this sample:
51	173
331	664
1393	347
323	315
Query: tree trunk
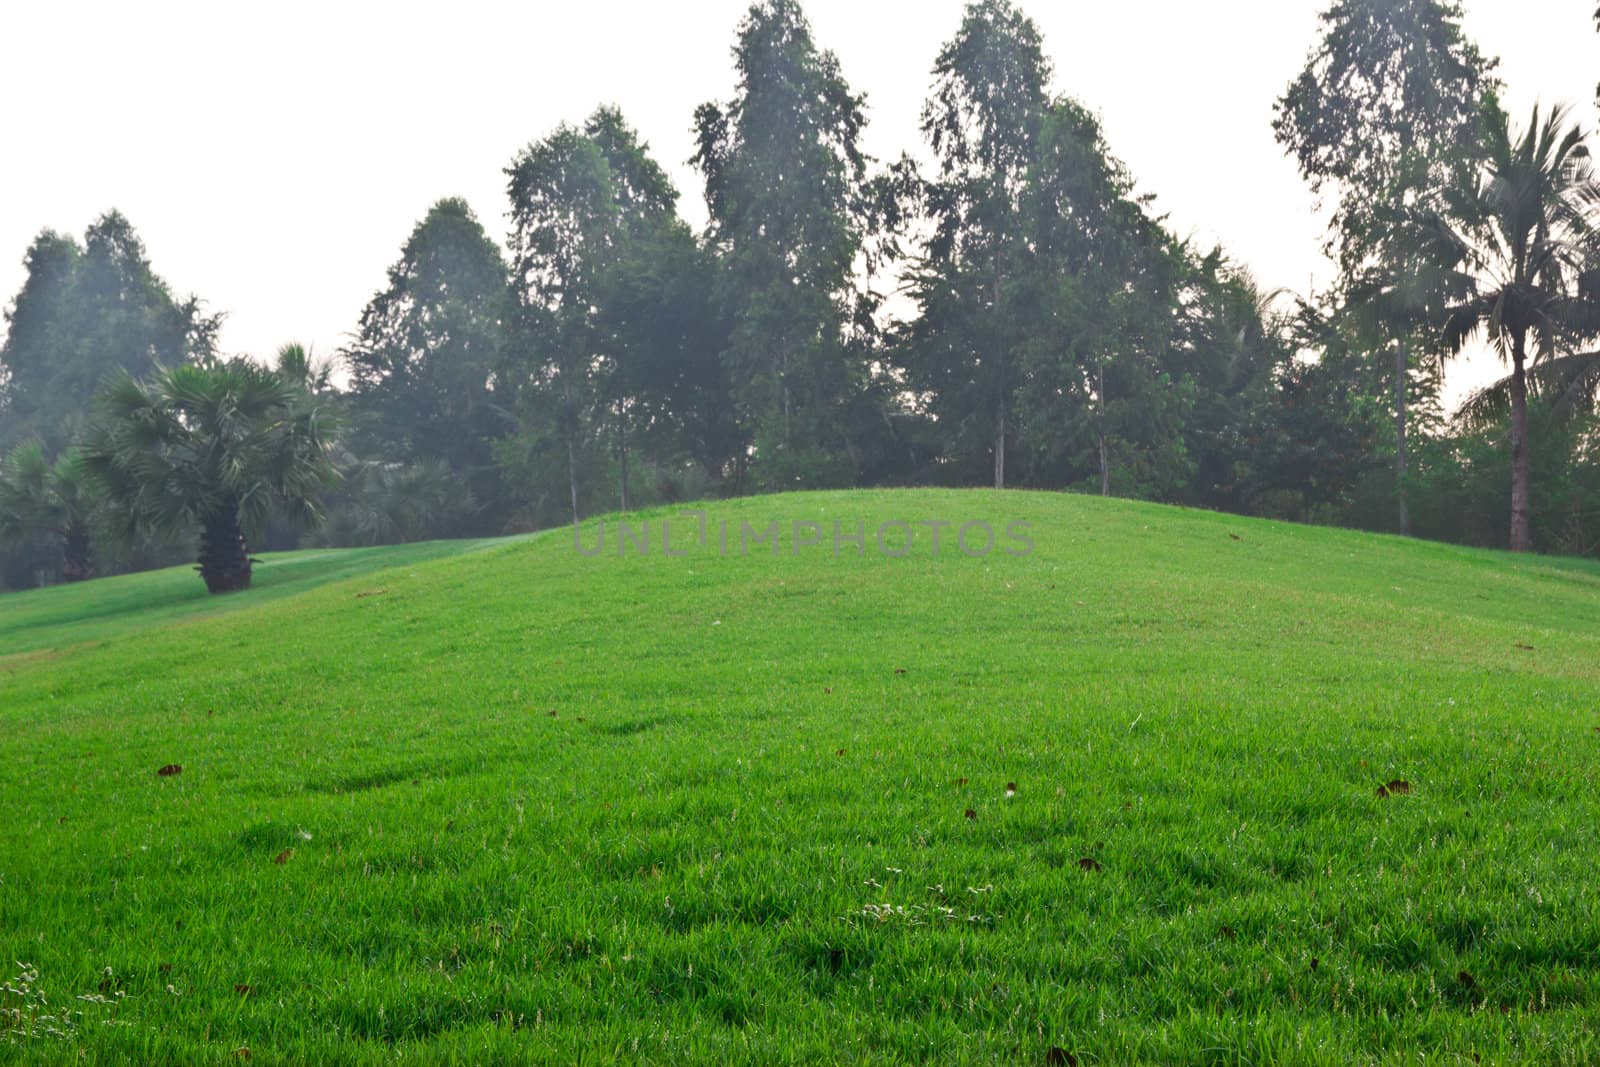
224	558
1000	443
572	475
1000	404
1401	381
1521	472
622	453
1105	465
77	562
783	386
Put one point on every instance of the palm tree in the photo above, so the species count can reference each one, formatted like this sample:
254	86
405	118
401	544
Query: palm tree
384	503
38	496
1568	384
214	449
1520	263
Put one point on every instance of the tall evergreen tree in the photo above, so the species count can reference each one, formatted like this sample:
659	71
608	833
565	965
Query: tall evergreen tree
423	365
584	202
83	314
786	186
1094	310
1386	109
989	104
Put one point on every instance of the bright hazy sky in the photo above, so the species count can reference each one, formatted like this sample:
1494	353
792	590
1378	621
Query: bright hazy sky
274	157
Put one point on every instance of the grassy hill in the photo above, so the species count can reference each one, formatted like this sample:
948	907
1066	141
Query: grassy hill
1117	796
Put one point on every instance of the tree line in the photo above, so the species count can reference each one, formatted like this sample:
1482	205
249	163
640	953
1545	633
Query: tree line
1008	310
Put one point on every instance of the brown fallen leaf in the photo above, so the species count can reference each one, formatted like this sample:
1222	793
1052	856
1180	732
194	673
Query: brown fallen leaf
827	689
1466	980
1229	932
1525	648
1399	786
283	857
242	1053
1089	863
963	781
972	815
1235	537
1383	793
899	670
169	770
555	714
1060	1057
242	989
840	752
371	592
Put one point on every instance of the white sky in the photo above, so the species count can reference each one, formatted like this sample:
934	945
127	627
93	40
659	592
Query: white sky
274	157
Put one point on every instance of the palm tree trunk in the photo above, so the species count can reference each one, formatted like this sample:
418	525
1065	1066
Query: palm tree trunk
224	557
77	562
1521	471
1401	381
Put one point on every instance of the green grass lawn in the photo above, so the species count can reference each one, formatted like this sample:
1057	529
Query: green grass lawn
518	805
44	620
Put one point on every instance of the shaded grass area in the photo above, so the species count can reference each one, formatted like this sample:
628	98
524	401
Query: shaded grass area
532	806
38	620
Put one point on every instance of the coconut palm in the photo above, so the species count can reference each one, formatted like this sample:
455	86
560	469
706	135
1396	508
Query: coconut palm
214	449
1520	258
38	496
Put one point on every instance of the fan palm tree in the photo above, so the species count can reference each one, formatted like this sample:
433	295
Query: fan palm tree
1520	262
387	503
38	496
214	449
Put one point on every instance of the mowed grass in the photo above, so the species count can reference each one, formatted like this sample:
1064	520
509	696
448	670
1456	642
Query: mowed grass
519	805
41	620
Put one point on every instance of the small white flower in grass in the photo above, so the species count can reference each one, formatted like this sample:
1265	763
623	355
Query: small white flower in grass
304	835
